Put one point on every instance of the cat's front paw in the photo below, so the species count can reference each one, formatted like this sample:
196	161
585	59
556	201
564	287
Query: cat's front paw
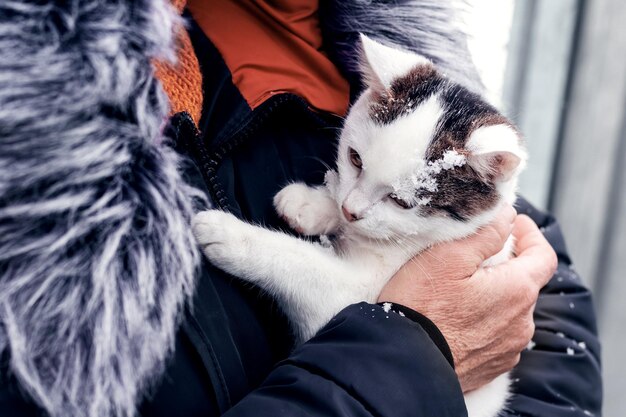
222	237
307	210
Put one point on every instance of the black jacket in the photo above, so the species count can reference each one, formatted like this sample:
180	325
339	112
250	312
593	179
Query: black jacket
233	354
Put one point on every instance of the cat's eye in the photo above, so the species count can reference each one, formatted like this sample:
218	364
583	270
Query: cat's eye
355	158
402	203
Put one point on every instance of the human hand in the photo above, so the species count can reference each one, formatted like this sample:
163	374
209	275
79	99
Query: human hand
485	314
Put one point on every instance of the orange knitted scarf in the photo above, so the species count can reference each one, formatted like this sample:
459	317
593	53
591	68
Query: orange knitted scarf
182	81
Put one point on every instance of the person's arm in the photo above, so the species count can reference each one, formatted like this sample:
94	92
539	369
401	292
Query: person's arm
365	362
485	314
560	375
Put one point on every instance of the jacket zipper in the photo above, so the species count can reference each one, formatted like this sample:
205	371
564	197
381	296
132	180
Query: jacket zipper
210	161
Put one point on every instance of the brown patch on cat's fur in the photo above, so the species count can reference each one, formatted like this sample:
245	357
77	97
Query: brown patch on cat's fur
405	93
492	120
462	192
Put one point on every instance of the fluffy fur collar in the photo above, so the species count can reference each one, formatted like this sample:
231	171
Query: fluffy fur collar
432	28
96	256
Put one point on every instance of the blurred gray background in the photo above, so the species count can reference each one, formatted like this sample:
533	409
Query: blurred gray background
558	69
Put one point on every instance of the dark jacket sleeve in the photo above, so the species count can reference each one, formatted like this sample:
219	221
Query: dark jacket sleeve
365	362
559	374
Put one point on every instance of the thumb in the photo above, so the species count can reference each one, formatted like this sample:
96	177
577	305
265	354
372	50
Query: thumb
468	254
534	265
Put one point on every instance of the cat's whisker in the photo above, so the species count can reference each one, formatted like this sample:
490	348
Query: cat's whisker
435	257
321	161
423	271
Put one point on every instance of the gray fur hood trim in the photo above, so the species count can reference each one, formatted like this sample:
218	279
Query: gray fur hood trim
96	256
432	28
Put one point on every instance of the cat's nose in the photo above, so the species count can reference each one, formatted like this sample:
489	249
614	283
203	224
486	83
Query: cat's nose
351	217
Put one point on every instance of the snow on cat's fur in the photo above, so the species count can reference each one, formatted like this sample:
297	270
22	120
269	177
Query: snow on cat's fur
420	160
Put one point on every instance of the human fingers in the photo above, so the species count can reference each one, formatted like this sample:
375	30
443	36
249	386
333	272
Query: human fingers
461	258
534	265
488	240
534	252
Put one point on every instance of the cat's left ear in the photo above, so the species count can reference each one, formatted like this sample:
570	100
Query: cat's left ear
496	152
381	64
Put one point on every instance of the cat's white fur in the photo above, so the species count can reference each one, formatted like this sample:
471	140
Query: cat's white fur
311	282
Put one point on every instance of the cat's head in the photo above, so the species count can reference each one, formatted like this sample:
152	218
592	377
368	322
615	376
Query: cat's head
420	154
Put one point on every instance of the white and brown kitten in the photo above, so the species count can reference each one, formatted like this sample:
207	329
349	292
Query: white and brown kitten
421	160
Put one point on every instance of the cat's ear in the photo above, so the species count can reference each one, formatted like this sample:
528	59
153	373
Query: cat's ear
380	64
496	152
